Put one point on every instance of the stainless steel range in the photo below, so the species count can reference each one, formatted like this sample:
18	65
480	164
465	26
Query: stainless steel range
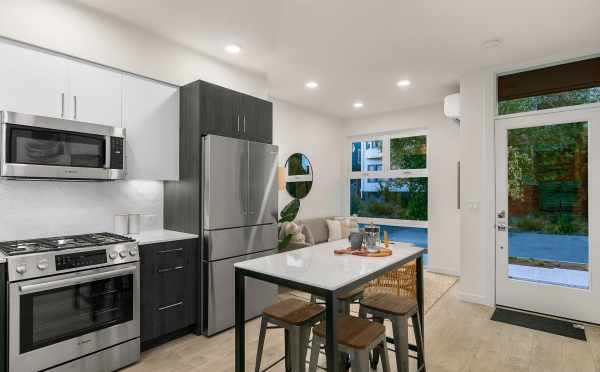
73	303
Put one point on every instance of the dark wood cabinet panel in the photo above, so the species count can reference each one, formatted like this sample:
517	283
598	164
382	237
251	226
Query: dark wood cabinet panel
168	288
258	119
218	109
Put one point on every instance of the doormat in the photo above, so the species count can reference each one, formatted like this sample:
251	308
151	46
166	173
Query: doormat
540	323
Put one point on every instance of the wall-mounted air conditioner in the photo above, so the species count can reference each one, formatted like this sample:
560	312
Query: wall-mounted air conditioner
452	106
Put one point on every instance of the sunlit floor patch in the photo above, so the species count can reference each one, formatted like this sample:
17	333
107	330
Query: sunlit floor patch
564	277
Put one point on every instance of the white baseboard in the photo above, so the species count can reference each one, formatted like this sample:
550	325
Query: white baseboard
442	270
473	298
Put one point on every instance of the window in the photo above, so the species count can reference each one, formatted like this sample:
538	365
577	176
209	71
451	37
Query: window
566	84
388	179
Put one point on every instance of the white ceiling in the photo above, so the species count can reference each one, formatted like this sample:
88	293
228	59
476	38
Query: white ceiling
358	50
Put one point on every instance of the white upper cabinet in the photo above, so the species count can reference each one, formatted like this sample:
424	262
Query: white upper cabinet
32	82
95	94
151	121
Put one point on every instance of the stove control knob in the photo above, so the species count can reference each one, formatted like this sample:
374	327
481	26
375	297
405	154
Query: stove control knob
42	265
112	255
133	252
123	254
21	269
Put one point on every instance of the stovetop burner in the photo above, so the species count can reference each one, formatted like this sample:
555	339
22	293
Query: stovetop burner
19	247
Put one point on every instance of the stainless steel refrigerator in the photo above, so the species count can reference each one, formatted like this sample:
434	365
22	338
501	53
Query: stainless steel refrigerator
239	213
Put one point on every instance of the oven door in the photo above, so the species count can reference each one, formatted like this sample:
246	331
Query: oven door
61	318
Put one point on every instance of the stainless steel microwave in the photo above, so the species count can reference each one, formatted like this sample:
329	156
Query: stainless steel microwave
39	147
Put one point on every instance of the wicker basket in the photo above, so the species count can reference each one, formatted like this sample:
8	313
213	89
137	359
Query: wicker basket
401	282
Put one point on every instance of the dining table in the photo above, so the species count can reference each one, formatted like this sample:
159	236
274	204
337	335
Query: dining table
320	271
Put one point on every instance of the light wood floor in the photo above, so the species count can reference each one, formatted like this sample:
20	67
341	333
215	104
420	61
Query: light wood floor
459	337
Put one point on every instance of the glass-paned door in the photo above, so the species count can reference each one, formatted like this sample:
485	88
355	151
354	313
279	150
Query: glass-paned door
546	213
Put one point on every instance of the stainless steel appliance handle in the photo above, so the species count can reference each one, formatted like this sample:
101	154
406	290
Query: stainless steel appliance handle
76	280
238	122
244	123
162	308
170	251
62	105
107	150
74	107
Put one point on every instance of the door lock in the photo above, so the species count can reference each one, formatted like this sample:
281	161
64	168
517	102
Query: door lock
501	214
502	227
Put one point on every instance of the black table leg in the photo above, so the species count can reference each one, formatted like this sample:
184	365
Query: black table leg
288	362
331	321
240	325
421	302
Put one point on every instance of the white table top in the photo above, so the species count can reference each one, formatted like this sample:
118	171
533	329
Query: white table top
160	236
318	266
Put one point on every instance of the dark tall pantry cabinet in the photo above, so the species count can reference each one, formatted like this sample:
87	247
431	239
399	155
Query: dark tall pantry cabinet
208	109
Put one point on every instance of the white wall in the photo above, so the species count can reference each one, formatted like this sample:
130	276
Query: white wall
443	148
32	209
320	138
67	28
477	188
37	209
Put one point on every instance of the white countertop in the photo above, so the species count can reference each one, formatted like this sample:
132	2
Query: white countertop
160	236
318	266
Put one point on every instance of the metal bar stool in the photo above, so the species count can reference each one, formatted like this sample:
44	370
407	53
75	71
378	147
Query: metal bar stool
355	337
297	317
397	309
345	299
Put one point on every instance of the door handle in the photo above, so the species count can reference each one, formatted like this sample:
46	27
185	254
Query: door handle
502	227
62	105
74	107
501	214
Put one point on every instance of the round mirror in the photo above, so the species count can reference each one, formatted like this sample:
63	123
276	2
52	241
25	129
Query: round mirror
299	178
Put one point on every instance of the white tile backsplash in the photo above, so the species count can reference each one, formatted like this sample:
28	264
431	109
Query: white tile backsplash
32	209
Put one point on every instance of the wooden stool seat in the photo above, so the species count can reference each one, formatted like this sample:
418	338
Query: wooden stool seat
391	304
354	332
293	311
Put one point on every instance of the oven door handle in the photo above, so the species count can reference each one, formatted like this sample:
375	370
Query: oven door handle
76	280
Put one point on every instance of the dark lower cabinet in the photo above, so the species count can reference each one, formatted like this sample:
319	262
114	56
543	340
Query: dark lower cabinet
168	290
3	320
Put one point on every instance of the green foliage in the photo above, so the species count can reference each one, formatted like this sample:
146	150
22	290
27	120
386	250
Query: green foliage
571	98
404	199
290	211
288	214
544	154
285	242
408	152
550	223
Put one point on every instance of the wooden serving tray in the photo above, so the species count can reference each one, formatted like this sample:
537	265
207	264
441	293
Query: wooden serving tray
382	252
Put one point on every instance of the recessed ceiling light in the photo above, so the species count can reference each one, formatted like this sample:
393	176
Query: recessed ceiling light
404	83
312	85
358	104
233	49
492	43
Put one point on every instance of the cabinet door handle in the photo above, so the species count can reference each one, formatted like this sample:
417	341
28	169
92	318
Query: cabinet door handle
244	123
74	107
170	251
167	307
62	105
160	271
238	122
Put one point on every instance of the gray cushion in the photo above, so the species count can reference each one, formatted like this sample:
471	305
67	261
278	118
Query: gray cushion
318	228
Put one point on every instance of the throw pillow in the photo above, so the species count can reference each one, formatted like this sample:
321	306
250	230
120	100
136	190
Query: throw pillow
310	238
335	230
349	225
